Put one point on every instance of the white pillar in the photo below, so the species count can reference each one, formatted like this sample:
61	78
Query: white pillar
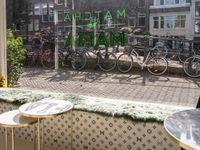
3	55
56	38
73	26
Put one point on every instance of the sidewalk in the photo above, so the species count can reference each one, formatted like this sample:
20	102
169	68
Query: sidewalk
134	87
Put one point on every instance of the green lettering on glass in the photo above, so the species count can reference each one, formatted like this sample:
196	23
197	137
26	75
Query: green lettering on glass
117	40
80	39
121	13
97	14
101	40
77	16
67	17
108	15
90	39
69	40
92	24
89	14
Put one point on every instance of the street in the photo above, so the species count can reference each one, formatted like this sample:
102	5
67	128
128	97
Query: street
132	87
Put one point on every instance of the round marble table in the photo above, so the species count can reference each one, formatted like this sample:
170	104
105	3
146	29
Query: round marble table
44	109
13	119
184	128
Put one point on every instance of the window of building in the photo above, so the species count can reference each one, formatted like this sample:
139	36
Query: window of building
37	9
168	2
60	2
155	22
60	30
60	15
142	3
51	12
36	24
44	12
183	21
197	26
30	26
157	2
162	22
131	21
197	9
180	21
169	21
142	20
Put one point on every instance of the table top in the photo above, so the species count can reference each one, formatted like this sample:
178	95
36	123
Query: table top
184	128
45	108
13	119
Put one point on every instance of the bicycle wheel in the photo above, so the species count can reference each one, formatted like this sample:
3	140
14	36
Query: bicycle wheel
157	65
78	60
48	60
124	63
192	66
184	54
107	61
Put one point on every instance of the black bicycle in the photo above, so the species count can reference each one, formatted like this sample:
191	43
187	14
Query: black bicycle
71	57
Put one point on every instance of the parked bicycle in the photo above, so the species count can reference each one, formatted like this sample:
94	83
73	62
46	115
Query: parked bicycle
164	48
106	60
192	66
41	53
71	57
156	65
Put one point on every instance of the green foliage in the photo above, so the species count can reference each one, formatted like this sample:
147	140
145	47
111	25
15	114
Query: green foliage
15	56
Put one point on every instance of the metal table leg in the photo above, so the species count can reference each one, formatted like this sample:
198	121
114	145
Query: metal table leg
6	138
42	142
38	128
13	139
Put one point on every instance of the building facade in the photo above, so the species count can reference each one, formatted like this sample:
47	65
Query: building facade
195	19
176	18
170	18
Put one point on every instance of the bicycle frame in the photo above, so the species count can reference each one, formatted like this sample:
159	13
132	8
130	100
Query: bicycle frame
142	62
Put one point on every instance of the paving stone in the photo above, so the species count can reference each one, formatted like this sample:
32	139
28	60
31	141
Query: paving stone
164	89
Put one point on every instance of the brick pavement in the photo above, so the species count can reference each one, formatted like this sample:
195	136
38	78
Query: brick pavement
134	87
